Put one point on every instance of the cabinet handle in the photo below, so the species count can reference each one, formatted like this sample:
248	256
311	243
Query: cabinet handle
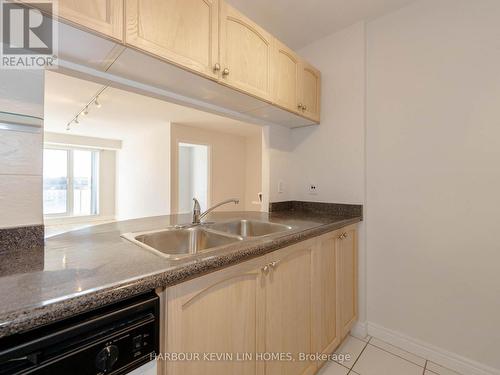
274	264
216	67
265	269
225	72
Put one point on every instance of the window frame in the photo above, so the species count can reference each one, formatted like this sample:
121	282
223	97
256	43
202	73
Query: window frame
94	201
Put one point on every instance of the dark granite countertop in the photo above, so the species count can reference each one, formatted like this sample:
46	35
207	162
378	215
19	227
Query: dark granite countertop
88	268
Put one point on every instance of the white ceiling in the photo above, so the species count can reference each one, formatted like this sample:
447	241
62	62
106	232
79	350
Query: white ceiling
121	112
298	22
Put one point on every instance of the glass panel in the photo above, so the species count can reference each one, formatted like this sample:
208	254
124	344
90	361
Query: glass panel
55	181
193	176
82	182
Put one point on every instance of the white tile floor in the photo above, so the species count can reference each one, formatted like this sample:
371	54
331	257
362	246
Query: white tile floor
372	356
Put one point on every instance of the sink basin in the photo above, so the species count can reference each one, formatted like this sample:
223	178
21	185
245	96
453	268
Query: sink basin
249	228
177	243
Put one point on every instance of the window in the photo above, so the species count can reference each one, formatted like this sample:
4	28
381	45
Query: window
70	182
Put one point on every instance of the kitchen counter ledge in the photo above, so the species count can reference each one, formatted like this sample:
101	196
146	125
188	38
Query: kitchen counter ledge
82	270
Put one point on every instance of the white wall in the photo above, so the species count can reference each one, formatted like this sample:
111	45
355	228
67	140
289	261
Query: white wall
21	91
144	172
228	164
332	155
107	184
193	176
253	177
276	164
433	151
431	178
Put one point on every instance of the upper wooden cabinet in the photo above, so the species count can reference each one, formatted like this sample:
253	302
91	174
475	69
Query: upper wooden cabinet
285	77
183	32
213	40
103	16
246	53
348	277
310	90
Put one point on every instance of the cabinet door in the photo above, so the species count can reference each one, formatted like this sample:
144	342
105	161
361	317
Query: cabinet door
310	90
288	309
348	271
222	313
103	16
246	52
285	77
184	32
326	322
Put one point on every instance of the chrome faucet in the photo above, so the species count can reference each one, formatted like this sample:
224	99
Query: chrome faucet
198	215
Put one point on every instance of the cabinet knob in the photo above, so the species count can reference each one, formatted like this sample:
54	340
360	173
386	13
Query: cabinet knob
300	106
274	264
265	269
225	72
216	67
304	107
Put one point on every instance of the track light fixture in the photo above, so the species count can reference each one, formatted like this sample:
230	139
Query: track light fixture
85	110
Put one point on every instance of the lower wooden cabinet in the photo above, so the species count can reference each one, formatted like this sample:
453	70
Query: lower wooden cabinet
222	312
348	285
325	289
297	300
288	309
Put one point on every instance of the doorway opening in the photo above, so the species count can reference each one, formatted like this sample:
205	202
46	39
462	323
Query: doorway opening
194	166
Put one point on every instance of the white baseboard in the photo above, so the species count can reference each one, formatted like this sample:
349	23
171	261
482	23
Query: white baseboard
359	329
440	356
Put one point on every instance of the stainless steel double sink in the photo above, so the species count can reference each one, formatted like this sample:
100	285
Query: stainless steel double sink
180	242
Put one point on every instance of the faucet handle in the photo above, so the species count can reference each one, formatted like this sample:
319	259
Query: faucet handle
196	211
196	206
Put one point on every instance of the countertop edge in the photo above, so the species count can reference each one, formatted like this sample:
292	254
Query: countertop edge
23	320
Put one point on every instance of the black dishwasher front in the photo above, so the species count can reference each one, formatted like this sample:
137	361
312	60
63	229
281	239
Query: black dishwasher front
114	340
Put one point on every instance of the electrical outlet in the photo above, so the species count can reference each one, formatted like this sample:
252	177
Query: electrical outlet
281	187
313	189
